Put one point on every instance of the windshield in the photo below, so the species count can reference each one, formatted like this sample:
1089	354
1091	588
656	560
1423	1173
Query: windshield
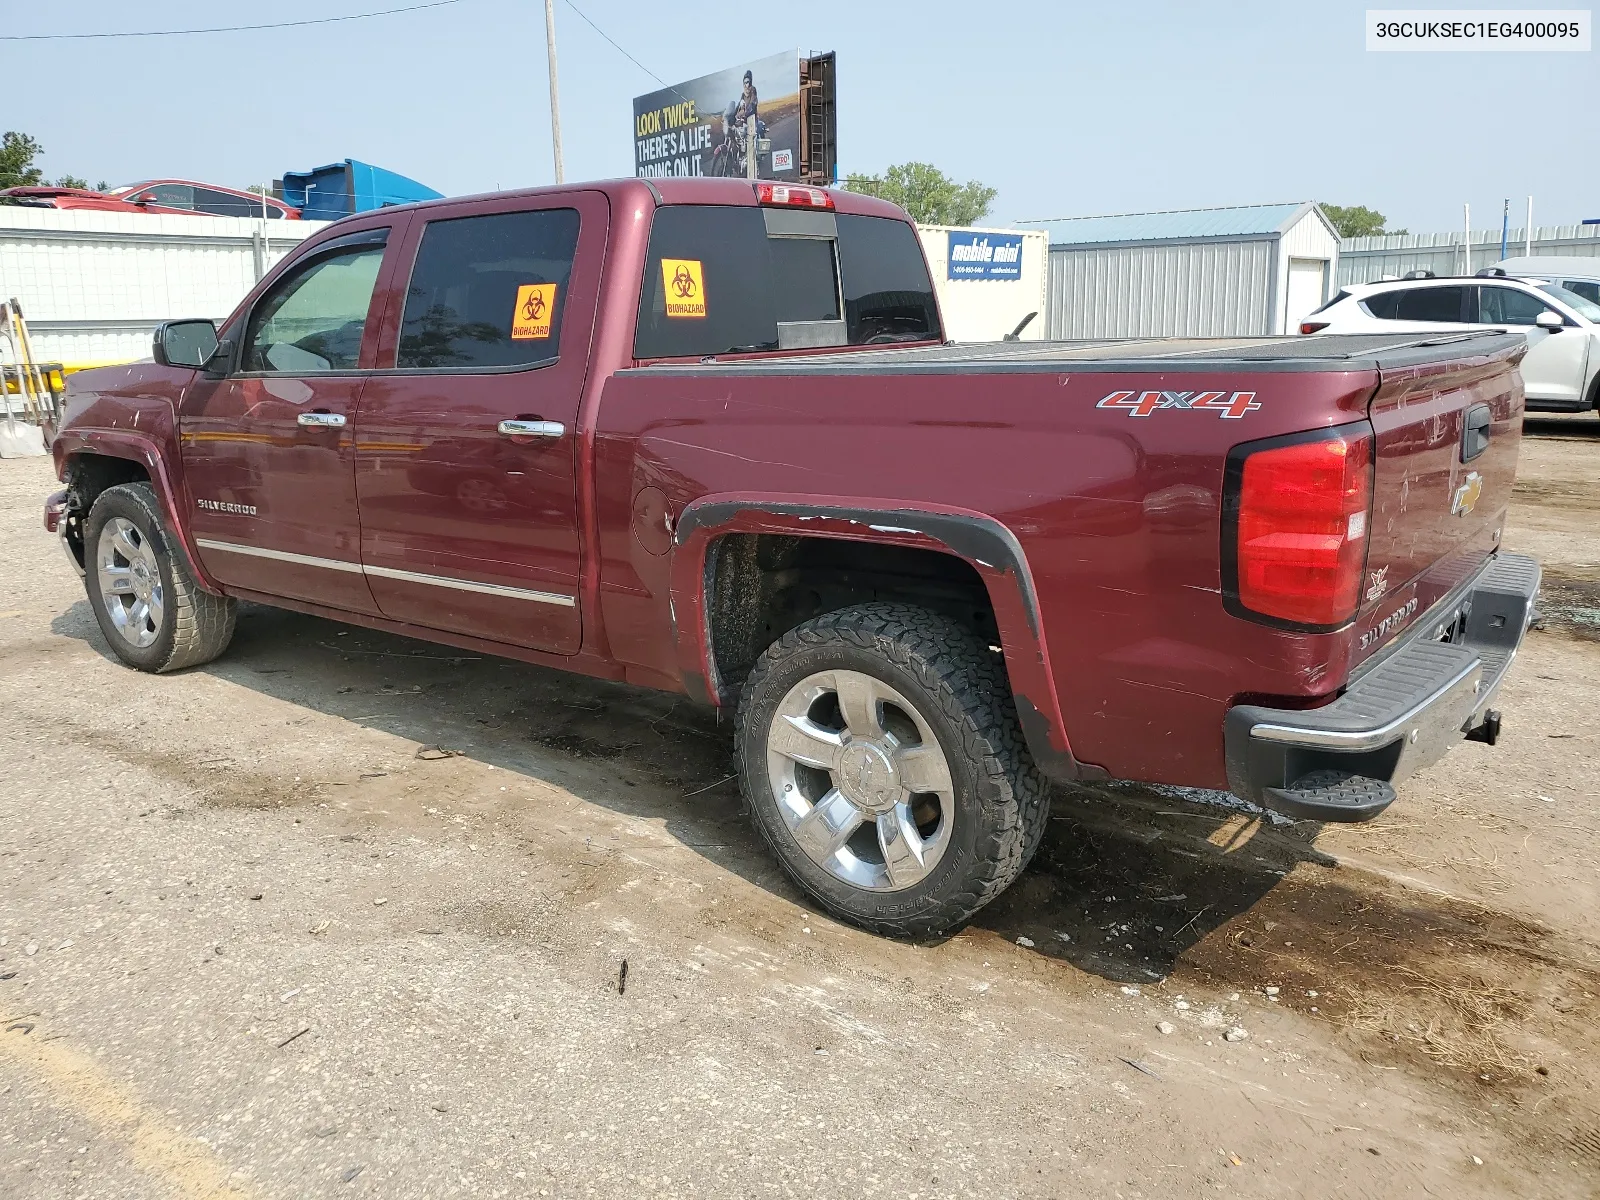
128	187
1585	308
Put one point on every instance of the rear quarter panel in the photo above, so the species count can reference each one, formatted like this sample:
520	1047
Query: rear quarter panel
1118	516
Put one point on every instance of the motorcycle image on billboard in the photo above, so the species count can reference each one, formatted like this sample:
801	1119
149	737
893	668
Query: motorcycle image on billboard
701	127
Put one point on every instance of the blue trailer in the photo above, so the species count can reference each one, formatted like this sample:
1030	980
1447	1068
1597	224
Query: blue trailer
341	188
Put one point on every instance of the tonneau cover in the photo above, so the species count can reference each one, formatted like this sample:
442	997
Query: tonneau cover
1325	352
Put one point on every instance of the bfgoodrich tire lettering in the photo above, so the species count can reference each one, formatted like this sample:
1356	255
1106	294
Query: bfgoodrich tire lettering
942	743
149	607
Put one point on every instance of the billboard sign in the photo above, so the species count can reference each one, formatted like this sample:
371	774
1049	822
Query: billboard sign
984	255
698	127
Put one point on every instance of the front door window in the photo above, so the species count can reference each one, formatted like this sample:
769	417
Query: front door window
313	320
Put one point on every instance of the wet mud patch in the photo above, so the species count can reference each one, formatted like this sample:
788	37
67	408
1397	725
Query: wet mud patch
215	781
1569	602
1141	889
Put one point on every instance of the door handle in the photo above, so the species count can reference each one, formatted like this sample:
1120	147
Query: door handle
542	429
321	420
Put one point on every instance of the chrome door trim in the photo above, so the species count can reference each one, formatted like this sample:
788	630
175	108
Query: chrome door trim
304	560
321	420
444	581
467	585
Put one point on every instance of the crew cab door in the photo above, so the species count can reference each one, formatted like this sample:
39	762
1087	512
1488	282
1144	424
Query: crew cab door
1554	368
268	453
467	440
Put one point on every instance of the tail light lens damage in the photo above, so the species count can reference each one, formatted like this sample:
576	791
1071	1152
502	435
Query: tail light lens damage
1295	530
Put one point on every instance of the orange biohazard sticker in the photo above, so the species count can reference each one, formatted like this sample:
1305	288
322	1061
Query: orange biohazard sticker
684	284
536	306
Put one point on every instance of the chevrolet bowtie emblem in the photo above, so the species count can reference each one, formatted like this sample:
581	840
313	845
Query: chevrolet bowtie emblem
1466	495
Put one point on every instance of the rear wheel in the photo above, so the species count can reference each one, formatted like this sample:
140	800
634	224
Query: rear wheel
147	603
880	754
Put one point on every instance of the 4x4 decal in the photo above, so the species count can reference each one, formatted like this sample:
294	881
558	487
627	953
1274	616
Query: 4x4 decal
1228	406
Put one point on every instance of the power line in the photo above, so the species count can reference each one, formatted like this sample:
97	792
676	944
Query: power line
618	48
144	33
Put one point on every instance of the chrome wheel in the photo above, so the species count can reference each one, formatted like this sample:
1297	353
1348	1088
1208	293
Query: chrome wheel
861	780
130	582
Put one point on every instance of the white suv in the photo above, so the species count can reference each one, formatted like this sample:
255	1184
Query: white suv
1562	370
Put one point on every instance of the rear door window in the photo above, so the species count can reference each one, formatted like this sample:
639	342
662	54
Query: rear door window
488	292
721	279
1587	289
1431	304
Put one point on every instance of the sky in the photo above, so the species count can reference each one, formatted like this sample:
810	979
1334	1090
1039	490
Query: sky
1068	109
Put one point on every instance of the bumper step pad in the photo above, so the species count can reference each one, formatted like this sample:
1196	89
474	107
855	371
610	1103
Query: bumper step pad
1400	713
1330	796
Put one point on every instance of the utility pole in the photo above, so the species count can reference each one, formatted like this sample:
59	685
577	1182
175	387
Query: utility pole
266	237
1527	230
1466	241
1505	227
555	96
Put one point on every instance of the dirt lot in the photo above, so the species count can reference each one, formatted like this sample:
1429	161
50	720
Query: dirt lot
252	945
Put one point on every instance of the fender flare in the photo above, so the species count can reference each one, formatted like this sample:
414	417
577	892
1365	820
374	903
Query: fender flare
987	545
140	448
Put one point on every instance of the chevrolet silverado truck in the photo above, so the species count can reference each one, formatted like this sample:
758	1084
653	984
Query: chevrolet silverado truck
707	436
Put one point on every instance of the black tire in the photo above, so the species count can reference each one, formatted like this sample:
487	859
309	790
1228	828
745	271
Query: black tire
195	626
959	688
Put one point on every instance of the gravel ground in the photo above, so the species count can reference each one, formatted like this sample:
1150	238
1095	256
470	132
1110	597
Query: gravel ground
252	945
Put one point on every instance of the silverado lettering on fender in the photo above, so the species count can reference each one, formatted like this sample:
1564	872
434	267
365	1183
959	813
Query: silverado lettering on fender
706	436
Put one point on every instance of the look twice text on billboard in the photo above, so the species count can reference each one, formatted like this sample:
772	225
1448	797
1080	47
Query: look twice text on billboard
702	127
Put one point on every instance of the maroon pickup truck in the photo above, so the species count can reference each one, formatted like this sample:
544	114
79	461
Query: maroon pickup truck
706	436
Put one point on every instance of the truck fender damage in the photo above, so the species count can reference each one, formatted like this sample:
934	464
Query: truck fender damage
133	448
983	543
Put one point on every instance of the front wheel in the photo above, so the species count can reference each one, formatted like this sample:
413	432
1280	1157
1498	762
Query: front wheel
881	758
147	603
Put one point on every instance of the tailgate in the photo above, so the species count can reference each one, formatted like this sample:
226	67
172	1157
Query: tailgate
1447	439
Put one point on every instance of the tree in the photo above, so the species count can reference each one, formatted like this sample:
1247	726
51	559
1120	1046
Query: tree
928	194
1356	220
73	181
17	152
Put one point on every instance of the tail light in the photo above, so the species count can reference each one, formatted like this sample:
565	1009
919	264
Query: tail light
1313	326
793	195
1295	535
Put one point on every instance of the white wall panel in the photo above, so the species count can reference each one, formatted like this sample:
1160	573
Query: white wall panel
94	285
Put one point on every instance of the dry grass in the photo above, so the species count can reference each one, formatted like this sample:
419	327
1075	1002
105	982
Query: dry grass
1462	1023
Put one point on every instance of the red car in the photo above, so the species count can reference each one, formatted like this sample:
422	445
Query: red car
177	196
705	435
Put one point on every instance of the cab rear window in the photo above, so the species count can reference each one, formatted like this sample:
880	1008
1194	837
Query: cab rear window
724	280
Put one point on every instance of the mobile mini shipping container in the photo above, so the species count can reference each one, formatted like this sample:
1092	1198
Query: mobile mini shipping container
987	280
